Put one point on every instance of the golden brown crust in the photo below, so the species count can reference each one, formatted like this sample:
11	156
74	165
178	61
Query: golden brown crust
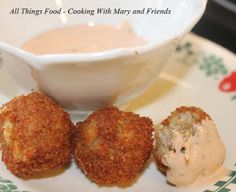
201	114
112	147
40	136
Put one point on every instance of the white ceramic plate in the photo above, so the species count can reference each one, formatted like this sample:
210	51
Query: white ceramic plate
200	73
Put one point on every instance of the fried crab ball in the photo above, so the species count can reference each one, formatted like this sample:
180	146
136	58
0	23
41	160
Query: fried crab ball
188	146
35	135
112	147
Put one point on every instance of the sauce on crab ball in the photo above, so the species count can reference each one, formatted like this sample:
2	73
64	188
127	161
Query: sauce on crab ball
188	148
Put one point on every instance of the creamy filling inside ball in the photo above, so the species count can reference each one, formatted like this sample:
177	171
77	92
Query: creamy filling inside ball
190	148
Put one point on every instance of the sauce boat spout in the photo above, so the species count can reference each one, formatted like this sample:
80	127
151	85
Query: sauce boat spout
19	64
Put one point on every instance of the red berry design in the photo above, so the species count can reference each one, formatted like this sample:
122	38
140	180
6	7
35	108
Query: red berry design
228	84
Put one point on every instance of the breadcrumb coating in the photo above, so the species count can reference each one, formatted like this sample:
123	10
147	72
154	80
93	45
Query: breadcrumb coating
35	135
112	147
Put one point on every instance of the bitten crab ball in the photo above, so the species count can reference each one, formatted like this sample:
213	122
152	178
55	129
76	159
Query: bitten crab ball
35	135
112	147
188	146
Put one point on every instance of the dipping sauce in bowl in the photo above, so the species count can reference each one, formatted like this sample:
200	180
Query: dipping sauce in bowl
83	39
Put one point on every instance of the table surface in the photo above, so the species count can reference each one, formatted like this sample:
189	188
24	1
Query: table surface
218	25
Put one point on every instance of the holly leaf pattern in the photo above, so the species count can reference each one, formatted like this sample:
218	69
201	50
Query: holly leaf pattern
8	186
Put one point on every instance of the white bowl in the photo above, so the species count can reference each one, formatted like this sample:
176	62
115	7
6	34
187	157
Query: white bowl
84	82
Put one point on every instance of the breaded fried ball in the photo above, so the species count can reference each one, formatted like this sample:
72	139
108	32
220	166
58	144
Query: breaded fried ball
112	147
188	146
35	135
